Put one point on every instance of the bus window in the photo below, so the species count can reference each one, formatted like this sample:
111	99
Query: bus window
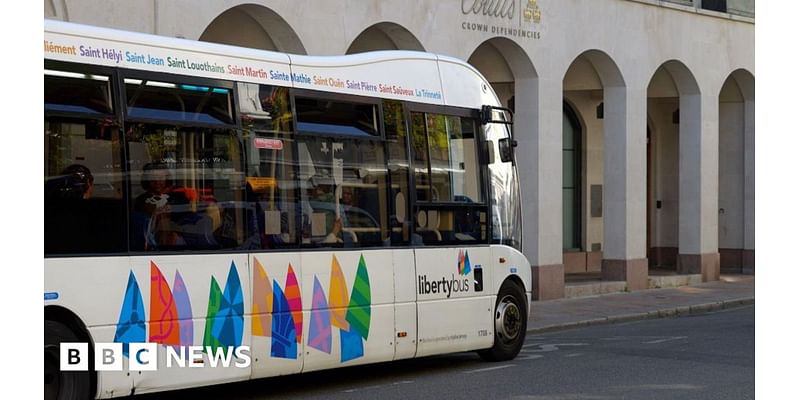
178	102
186	188
447	170
329	117
270	184
343	196
83	179
396	137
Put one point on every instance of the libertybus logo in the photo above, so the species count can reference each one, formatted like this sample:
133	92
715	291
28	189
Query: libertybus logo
456	284
144	356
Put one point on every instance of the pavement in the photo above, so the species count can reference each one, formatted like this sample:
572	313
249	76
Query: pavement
730	291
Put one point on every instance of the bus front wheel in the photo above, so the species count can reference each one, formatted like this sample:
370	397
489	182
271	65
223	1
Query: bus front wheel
62	385
510	322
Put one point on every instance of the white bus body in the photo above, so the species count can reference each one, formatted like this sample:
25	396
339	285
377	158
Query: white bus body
414	301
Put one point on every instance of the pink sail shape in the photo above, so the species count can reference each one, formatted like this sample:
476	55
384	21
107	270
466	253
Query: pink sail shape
262	301
292	291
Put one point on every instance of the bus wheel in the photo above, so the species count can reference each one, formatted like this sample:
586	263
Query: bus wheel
62	385
510	323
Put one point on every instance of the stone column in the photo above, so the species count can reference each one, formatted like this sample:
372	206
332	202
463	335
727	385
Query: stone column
625	180
537	128
749	254
698	252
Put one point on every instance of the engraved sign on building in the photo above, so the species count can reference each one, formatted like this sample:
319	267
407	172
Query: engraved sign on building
512	18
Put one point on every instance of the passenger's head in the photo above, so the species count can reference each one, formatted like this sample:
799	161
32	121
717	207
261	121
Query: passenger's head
156	178
347	195
75	182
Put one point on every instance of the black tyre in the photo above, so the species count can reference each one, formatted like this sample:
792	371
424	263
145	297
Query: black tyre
62	385
511	321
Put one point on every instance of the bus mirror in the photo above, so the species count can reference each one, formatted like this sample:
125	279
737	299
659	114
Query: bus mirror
506	147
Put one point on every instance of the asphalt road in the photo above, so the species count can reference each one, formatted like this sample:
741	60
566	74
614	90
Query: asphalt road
706	356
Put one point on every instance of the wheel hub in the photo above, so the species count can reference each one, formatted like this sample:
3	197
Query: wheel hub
508	321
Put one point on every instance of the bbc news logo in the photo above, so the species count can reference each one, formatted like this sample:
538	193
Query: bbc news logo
144	356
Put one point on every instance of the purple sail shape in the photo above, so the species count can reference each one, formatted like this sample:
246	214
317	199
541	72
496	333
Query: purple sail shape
319	336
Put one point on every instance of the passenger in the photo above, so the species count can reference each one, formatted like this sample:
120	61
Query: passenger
152	222
75	182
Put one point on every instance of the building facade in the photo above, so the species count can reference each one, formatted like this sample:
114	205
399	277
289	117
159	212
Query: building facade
635	118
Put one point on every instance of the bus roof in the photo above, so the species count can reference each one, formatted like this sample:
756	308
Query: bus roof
401	75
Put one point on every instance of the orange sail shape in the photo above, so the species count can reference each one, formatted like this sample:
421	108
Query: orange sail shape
262	301
292	292
164	323
337	296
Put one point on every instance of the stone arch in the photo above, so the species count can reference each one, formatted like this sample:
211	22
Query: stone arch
384	36
685	212
254	26
736	225
595	83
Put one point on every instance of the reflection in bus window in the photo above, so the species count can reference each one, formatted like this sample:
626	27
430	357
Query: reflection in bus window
343	196
396	138
186	188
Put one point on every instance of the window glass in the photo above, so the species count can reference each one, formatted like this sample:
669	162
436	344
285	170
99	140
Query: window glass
271	185
336	117
76	92
186	188
453	225
265	108
396	137
84	206
419	149
178	102
343	194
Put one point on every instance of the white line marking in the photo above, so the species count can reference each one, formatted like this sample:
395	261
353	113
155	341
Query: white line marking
490	368
666	340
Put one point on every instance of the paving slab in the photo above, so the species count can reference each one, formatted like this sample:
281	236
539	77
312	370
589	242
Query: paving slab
729	291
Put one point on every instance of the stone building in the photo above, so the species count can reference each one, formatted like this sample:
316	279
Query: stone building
635	118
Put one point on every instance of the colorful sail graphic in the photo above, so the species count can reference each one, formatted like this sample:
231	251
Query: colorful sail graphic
295	302
319	329
337	292
262	301
131	324
164	327
228	327
464	266
351	345
184	307
214	303
359	309
284	338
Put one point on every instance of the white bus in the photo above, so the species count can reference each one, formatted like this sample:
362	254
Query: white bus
316	212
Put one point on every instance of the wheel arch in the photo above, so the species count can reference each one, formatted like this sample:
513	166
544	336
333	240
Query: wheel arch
76	325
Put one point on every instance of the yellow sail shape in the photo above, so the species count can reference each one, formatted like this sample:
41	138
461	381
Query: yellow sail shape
262	301
337	296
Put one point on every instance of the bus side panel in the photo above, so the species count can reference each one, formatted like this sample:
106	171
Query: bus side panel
405	305
514	264
111	383
454	300
92	288
274	351
348	298
215	291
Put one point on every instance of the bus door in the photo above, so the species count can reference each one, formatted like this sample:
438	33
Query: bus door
452	256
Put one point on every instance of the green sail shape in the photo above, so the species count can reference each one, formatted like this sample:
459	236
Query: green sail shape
214	302
359	309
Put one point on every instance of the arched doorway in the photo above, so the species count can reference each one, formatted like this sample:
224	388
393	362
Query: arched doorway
384	36
736	168
253	26
681	213
609	197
